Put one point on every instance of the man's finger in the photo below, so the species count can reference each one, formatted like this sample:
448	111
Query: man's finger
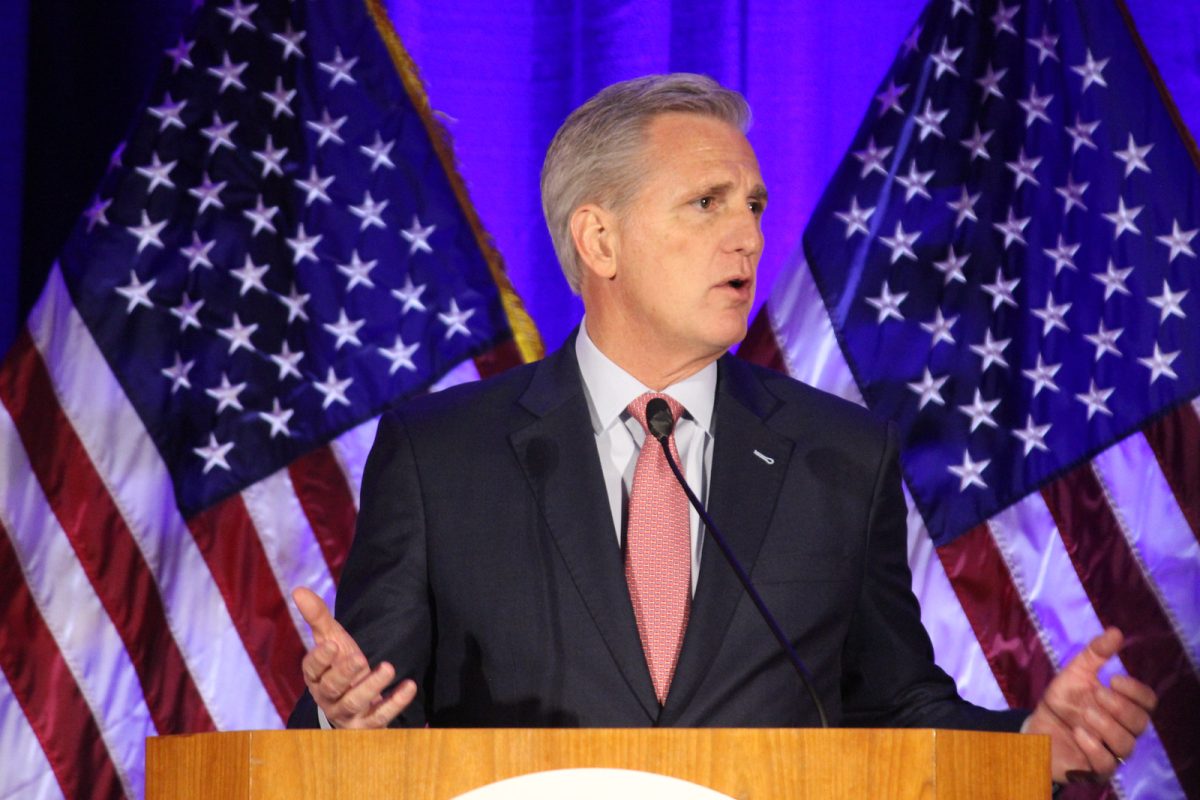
394	704
315	613
1136	691
1110	731
1099	651
346	672
317	661
354	708
1102	762
1127	713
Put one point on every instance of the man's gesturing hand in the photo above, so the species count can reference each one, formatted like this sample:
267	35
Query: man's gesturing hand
338	677
1092	727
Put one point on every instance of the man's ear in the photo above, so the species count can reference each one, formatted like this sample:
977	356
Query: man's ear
593	229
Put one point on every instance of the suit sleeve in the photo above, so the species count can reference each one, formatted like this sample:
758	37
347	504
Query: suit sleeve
889	678
383	597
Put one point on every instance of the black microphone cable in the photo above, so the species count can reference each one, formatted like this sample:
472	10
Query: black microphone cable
661	421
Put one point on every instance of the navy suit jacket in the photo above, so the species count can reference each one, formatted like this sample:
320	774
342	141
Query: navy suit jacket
485	566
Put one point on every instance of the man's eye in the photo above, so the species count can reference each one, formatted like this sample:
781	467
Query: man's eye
706	203
756	207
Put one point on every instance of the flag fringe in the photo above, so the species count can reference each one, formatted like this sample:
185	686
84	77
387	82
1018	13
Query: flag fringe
1172	110
525	333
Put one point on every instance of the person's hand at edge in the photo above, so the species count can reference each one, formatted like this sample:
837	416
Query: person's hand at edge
1092	728
338	677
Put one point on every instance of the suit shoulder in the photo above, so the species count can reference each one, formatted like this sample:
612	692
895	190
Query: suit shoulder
466	404
808	405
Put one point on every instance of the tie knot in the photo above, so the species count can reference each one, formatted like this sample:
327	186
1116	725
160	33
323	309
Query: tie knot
638	407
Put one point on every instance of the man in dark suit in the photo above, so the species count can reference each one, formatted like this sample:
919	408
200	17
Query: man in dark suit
522	559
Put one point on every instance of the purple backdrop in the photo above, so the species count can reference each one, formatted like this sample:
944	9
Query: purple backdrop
504	75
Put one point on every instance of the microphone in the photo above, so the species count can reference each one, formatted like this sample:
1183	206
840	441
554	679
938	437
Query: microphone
660	421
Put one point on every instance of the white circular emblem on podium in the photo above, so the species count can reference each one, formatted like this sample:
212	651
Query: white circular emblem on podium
592	784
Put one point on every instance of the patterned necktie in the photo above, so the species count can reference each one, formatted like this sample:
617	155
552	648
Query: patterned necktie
658	560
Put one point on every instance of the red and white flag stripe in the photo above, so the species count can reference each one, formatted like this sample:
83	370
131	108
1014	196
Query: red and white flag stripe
28	773
121	618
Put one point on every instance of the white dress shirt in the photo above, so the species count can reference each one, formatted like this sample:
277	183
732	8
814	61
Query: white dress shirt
619	437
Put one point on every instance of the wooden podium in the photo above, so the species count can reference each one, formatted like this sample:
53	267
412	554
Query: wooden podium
742	763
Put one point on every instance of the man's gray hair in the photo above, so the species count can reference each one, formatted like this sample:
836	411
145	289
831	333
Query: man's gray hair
596	155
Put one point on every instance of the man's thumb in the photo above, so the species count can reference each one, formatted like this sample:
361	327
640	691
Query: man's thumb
315	612
1101	649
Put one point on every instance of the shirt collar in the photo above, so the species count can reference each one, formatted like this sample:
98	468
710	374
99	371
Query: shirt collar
610	389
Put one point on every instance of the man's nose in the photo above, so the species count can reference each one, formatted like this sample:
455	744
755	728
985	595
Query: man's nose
746	235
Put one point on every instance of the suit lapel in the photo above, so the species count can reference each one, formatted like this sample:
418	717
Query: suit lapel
558	454
742	498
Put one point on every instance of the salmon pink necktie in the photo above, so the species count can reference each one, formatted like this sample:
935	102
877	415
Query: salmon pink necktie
658	561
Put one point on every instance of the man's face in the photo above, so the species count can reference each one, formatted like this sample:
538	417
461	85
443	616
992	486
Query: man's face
690	239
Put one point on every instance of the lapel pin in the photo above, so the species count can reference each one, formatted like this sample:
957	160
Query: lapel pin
765	458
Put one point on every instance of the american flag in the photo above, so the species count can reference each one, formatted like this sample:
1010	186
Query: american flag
281	249
1004	265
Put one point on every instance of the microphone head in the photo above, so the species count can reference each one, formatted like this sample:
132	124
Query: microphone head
659	419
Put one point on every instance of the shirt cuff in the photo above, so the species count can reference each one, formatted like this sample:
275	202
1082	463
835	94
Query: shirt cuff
327	726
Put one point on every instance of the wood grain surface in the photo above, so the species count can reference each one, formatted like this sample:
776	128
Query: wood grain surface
749	764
